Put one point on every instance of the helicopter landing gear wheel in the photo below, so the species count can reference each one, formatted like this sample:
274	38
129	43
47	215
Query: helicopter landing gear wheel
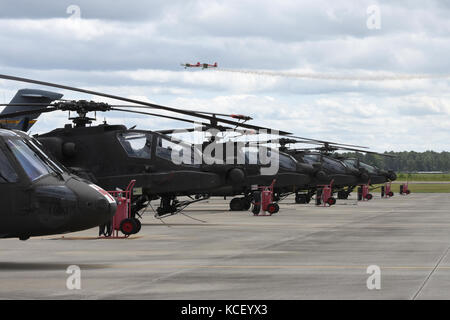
247	203
236	204
301	198
138	225
128	226
343	195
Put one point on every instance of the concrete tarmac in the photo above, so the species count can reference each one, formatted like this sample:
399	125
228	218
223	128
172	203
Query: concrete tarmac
302	252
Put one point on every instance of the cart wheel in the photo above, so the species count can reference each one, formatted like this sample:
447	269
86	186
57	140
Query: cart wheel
273	208
236	204
331	201
246	204
128	226
369	196
277	207
408	191
138	225
391	194
308	198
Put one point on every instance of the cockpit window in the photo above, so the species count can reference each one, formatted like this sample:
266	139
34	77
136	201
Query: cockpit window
252	154
351	163
32	163
368	168
7	172
178	152
311	158
333	164
136	144
49	161
287	162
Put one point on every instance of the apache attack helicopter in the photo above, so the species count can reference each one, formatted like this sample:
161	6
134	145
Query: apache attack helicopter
40	197
112	155
346	174
288	177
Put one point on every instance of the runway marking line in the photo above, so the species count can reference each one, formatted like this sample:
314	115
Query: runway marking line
272	267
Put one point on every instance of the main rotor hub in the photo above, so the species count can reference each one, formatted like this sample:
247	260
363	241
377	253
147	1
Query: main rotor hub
82	108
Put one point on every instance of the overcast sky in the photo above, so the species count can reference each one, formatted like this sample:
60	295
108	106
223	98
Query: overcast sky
134	49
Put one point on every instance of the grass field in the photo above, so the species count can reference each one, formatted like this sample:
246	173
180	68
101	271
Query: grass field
423	176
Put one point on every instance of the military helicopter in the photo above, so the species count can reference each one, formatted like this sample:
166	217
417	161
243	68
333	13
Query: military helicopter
346	174
40	197
289	176
112	155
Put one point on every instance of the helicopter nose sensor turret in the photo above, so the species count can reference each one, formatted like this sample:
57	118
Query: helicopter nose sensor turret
95	205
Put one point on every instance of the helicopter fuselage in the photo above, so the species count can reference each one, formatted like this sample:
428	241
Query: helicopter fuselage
39	197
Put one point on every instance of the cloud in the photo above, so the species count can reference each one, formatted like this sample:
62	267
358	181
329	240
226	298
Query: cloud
134	49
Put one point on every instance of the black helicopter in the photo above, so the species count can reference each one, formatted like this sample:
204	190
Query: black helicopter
289	177
40	197
112	155
345	174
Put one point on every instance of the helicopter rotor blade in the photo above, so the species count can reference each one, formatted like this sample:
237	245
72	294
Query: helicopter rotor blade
327	142
332	148
24	104
212	119
367	151
234	116
171	131
157	115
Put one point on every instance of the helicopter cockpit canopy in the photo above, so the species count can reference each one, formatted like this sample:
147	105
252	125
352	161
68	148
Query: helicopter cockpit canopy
34	162
136	144
351	163
253	154
328	163
7	172
369	168
311	158
177	151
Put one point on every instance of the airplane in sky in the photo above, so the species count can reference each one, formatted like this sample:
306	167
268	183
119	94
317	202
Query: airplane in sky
198	65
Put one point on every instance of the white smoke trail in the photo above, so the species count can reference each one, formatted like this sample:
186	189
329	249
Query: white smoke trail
324	76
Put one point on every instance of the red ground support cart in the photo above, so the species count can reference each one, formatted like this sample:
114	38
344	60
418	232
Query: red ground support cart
386	191
363	192
122	220
324	195
404	189
263	201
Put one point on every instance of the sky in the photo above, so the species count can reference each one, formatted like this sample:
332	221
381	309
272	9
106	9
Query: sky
372	73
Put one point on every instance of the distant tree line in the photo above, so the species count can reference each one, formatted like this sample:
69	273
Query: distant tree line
407	161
